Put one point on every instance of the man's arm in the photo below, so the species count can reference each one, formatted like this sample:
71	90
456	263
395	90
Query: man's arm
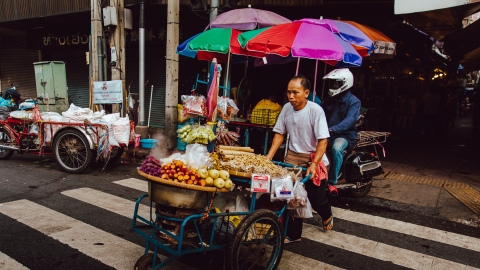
321	147
349	121
276	142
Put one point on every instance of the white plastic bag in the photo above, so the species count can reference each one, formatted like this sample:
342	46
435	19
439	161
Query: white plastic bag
282	189
197	155
260	183
300	196
121	130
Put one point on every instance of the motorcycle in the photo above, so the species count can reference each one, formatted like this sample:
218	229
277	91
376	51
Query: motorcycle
361	163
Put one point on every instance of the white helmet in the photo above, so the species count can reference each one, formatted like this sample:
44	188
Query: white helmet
340	80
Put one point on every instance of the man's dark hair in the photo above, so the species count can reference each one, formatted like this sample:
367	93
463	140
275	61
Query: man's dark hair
303	81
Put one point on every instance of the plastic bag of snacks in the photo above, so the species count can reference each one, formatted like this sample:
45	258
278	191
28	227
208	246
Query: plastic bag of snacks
282	189
226	108
194	106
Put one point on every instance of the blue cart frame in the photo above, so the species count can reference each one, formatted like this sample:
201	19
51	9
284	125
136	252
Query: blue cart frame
195	218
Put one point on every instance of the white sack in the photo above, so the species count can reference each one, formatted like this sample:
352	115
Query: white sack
121	130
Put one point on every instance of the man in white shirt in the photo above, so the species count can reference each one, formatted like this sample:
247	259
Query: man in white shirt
306	124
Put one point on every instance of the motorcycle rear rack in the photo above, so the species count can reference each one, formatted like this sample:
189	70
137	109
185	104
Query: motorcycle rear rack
365	138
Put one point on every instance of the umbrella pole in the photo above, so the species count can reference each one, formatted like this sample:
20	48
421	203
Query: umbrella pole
298	65
315	81
227	77
324	73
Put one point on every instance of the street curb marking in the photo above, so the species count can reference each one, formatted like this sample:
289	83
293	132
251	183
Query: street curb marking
469	196
431	181
466	194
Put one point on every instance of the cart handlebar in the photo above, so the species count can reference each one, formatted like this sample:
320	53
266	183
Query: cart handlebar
283	164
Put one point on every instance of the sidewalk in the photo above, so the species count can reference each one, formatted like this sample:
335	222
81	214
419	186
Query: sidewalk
436	171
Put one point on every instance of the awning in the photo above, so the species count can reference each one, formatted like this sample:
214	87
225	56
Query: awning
437	18
464	45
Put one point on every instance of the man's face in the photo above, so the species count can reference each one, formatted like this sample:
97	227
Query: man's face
296	94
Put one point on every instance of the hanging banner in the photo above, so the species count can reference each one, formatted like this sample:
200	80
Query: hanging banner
107	92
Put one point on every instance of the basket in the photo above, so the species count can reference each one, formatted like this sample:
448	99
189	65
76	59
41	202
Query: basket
264	117
179	184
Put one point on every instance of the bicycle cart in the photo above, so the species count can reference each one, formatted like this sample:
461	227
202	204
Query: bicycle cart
73	144
182	221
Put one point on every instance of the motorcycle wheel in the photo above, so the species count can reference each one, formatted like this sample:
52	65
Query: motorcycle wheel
361	192
5	139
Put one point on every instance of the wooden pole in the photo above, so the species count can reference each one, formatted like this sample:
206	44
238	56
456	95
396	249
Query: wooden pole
118	41
171	95
96	31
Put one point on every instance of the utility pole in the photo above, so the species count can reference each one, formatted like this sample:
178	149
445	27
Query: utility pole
141	67
171	97
117	40
96	32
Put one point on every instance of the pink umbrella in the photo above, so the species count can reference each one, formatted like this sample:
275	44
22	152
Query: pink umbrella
247	19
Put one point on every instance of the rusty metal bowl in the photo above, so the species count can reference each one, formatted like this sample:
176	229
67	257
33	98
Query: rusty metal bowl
178	197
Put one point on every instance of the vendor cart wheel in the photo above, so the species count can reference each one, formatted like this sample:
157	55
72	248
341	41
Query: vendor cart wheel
258	242
72	151
5	139
360	192
146	262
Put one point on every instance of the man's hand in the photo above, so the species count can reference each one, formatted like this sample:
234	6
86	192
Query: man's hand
312	169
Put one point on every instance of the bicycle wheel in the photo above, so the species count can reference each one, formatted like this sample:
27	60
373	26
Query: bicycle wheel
5	139
258	242
71	151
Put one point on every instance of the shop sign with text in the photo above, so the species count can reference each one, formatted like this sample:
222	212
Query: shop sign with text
107	92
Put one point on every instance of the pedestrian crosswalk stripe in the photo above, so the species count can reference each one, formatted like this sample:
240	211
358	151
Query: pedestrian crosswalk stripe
125	208
133	183
103	246
377	250
7	263
108	202
436	235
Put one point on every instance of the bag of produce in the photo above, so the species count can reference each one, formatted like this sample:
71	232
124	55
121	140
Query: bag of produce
304	212
194	106
300	197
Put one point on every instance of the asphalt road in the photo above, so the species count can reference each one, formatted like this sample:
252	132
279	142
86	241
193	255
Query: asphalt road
54	220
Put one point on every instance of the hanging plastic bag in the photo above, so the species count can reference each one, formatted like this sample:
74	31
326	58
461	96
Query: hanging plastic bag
300	196
181	118
194	106
304	212
282	189
226	108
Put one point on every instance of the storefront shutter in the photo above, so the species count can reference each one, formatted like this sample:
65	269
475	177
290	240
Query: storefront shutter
16	66
155	74
77	75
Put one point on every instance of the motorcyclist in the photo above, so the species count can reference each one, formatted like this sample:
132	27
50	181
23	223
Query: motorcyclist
342	110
